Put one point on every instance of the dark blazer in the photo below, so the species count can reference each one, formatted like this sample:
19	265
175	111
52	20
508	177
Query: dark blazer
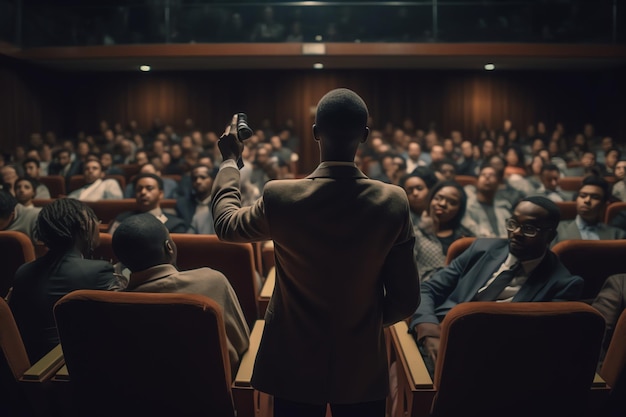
568	229
174	224
41	283
186	208
610	301
337	281
460	281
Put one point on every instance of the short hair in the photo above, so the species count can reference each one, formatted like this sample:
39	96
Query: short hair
7	204
29	160
549	167
341	111
139	242
94	159
212	171
488	164
32	181
456	221
424	173
158	179
554	214
614	149
63	221
599	182
437	165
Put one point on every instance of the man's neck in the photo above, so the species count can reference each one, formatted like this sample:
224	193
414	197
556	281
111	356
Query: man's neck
485	198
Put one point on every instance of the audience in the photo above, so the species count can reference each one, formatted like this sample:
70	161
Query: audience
439	226
417	185
194	207
148	194
485	215
533	272
25	192
143	244
69	229
589	223
32	169
96	187
14	216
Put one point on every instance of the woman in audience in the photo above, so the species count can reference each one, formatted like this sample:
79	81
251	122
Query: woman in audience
69	228
417	184
439	226
515	161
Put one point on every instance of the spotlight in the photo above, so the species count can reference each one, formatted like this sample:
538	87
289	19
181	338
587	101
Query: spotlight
490	67
145	68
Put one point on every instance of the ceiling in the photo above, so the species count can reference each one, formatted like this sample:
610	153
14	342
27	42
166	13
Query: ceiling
184	57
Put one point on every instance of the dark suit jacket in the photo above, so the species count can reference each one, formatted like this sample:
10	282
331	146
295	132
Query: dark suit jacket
568	229
173	224
186	208
41	283
344	267
460	281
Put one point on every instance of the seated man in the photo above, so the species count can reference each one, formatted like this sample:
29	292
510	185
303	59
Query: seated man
170	186
96	188
486	212
619	187
14	216
520	268
143	244
549	187
591	202
194	207
32	169
148	194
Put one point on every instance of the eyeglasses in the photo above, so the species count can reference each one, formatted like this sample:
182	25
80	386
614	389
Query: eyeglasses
528	230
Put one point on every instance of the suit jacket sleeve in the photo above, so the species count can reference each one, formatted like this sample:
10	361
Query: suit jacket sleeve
401	278
232	222
611	301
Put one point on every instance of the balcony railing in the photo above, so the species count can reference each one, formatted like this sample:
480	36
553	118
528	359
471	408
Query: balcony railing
37	23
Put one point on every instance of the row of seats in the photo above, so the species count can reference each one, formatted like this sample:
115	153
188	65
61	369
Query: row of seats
566	183
58	186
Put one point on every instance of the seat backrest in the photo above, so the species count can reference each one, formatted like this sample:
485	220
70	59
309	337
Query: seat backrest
55	184
464	180
457	247
612	210
108	210
567	209
234	260
517	359
594	260
571	183
16	249
154	354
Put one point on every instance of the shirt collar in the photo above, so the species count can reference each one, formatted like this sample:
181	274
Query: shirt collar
582	224
151	274
326	164
528	265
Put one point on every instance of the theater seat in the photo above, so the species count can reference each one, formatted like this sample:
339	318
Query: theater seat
145	354
16	249
24	387
457	247
504	359
594	260
567	209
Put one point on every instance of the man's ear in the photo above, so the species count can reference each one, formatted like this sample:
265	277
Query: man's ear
315	133
169	247
365	134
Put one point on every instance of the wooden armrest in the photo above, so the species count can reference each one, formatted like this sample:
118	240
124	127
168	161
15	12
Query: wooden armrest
244	374
45	367
62	375
598	382
410	357
268	286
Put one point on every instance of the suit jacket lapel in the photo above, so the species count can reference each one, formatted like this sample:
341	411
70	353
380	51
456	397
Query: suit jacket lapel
488	267
573	232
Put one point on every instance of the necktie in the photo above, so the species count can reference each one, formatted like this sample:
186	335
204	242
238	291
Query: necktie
498	285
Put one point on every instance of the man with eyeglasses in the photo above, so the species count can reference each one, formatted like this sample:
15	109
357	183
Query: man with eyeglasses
591	202
520	268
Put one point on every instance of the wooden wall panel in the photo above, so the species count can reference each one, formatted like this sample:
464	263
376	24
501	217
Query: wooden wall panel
453	100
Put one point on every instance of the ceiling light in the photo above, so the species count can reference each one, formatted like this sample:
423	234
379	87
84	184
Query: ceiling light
490	67
318	65
145	68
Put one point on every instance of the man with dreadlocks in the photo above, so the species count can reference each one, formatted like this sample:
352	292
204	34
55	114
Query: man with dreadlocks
69	228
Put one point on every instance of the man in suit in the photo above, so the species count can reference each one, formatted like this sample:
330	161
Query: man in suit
148	194
337	283
591	202
143	244
194	207
534	272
